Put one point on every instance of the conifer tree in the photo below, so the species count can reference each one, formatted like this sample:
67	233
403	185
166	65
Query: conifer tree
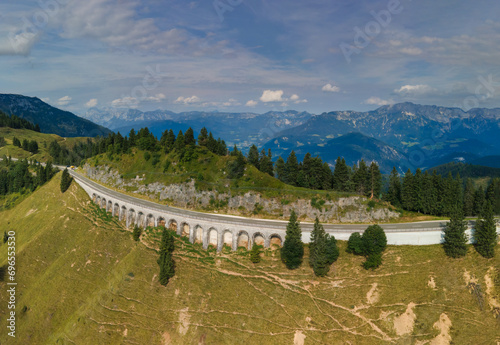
66	180
360	178
428	192
189	137
417	191
292	251
280	169
255	254
455	238
166	260
469	198
332	251
355	244
479	199
407	196
393	194
340	175
292	169
136	233
485	234
374	181
203	137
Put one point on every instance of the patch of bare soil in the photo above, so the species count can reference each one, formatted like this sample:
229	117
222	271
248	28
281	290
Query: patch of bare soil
298	338
184	321
443	325
372	296
403	324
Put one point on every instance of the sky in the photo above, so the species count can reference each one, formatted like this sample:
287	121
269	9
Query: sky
251	55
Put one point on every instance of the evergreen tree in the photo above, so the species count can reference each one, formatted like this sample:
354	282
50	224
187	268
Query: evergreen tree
455	238
407	196
393	194
66	180
341	175
318	258
374	240
292	251
166	260
203	137
180	143
237	167
189	137
332	251
291	169
280	169
360	178
485	234
235	151
136	233
479	199
265	163
253	156
16	142
429	194
355	244
374	181
255	254
469	198
417	191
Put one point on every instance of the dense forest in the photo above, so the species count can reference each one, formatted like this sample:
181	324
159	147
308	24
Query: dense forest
23	176
16	122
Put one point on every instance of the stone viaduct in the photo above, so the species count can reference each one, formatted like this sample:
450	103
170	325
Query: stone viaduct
194	225
219	230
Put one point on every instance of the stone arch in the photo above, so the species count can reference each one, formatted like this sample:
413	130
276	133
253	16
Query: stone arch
150	220
275	240
141	219
243	239
131	217
98	200
212	237
198	234
103	203
109	206
116	210
258	239
94	197
123	213
161	221
227	238
185	229
172	225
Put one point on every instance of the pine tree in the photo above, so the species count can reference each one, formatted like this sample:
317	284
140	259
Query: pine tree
485	234
292	251
374	181
266	163
417	191
180	143
469	198
317	232
374	243
237	167
255	254
340	176
455	238
203	137
253	156
479	199
332	251
189	137
66	180
355	244
280	169
166	260
360	178
292	169
407	196
393	194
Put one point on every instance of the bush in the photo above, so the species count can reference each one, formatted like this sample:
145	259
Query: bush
373	261
355	244
255	254
136	234
66	180
147	155
374	240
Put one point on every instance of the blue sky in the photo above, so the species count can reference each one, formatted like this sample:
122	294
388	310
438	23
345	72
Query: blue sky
251	55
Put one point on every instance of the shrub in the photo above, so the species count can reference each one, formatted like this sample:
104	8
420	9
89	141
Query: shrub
373	261
147	155
374	240
136	234
355	244
255	254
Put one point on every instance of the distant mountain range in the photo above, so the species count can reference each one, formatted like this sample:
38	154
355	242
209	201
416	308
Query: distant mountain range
422	135
50	119
242	129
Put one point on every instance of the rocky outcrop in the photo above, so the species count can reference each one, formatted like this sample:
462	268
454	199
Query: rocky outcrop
342	210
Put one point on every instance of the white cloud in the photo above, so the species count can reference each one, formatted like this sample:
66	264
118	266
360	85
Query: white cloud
411	51
64	100
187	100
18	43
414	89
251	103
272	96
231	103
330	88
294	97
300	101
157	98
91	103
125	102
378	101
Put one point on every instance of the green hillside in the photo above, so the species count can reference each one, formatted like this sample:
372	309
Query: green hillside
83	280
42	139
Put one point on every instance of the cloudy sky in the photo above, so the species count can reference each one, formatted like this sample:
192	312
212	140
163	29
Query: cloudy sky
251	55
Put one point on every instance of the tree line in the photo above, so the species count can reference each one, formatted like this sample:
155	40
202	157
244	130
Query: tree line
16	122
17	176
26	145
430	193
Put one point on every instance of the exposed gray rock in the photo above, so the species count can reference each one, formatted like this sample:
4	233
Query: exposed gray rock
344	210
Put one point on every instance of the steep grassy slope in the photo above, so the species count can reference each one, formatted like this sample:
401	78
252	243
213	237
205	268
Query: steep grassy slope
42	139
84	280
